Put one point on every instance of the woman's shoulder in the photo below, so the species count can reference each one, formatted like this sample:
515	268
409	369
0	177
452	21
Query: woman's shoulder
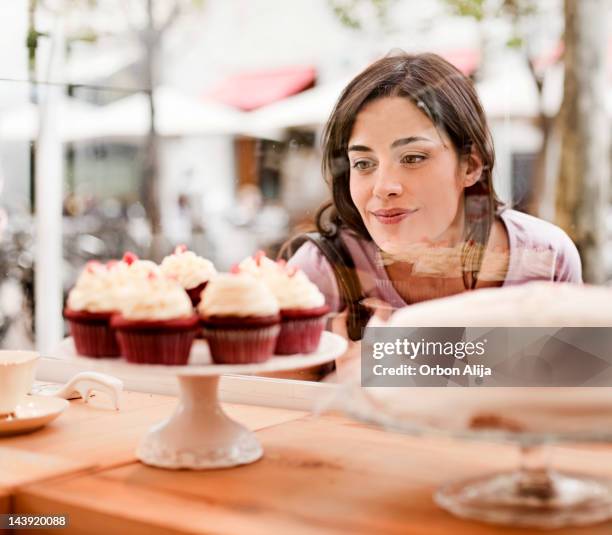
345	247
533	231
529	234
311	260
534	226
317	255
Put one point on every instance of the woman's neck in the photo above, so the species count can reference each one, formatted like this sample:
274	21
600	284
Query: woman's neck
429	271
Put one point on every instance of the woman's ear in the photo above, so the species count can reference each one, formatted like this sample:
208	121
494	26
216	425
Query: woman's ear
471	169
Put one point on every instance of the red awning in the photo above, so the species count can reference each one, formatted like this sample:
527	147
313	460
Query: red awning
252	90
465	59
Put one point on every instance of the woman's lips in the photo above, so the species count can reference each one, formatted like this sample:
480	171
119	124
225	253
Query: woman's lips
392	216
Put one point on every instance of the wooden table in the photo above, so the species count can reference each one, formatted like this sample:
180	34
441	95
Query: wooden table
94	436
82	438
318	475
5	502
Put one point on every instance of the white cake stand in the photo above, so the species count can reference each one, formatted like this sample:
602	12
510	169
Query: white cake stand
534	495
200	435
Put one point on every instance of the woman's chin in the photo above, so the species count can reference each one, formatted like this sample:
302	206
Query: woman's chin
395	247
398	240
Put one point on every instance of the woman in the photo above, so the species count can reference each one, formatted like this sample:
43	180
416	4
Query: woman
409	158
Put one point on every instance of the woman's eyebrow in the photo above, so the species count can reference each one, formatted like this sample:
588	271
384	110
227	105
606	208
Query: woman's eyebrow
359	148
395	144
408	140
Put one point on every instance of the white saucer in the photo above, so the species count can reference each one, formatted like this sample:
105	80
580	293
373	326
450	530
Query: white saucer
32	414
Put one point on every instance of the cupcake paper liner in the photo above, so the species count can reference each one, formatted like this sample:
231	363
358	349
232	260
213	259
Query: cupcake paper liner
147	347
299	335
92	333
300	330
230	345
156	342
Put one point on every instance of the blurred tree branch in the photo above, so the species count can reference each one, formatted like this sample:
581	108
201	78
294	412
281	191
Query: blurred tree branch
584	173
582	200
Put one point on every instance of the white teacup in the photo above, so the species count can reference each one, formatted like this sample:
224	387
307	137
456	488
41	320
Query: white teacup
17	369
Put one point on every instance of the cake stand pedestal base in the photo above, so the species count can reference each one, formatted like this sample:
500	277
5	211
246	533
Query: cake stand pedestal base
555	501
199	435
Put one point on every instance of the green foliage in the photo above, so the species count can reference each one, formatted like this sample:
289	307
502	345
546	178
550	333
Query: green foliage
481	9
516	11
468	8
90	4
87	35
515	41
345	10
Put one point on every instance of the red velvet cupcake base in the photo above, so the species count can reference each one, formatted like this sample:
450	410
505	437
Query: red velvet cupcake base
300	330
92	333
241	340
156	342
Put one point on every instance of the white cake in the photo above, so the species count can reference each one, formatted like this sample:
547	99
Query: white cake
536	304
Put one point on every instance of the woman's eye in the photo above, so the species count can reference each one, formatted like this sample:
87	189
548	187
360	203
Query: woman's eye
413	158
362	165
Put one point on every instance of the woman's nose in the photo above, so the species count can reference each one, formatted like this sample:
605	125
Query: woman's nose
387	186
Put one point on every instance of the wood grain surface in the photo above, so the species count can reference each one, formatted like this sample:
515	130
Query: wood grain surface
318	475
95	436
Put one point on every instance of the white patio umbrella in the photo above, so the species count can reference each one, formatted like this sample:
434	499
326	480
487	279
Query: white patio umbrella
176	115
19	123
22	123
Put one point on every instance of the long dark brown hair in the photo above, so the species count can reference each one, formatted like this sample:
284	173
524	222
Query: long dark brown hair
450	101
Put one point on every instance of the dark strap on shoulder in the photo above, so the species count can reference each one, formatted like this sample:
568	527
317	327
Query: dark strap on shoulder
341	261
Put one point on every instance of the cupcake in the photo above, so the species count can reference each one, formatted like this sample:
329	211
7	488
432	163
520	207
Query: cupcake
302	308
240	319
89	308
190	270
156	323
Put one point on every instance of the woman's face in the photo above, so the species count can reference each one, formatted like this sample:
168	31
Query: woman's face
406	181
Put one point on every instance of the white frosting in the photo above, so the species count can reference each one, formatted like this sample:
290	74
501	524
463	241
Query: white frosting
189	269
293	289
94	290
123	276
259	266
119	273
155	298
237	295
123	273
142	269
536	304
